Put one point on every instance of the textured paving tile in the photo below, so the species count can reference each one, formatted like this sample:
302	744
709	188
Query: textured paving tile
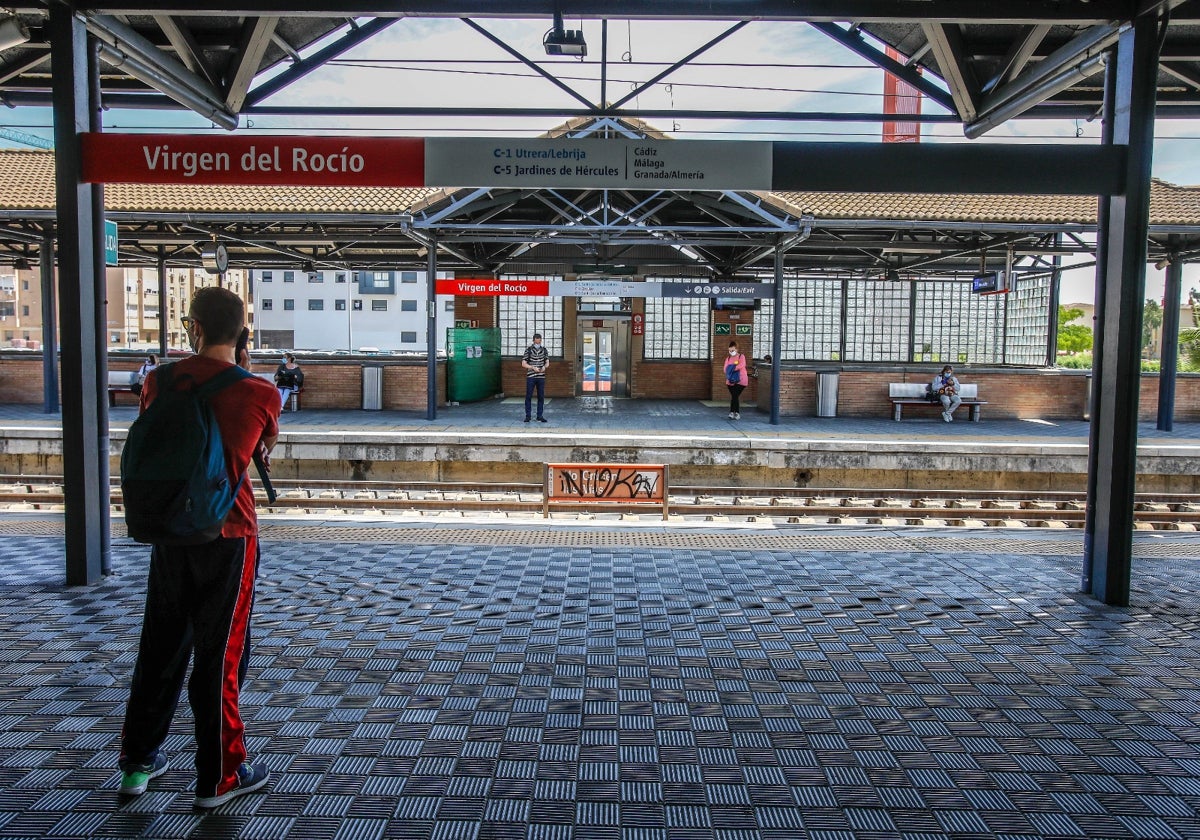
412	690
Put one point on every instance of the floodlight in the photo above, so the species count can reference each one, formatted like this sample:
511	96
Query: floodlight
13	33
22	264
559	41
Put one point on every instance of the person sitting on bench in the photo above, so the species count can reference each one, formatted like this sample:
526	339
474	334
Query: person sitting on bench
289	378
946	386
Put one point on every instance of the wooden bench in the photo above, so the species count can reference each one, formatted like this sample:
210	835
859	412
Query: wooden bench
120	381
913	393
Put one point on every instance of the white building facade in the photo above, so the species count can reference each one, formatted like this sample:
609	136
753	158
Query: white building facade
345	310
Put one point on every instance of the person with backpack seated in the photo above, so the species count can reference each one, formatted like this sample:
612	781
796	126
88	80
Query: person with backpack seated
185	489
289	378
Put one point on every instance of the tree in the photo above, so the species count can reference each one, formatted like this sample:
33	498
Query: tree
1152	318
1072	338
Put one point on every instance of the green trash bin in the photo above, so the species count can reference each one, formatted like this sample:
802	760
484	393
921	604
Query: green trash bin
472	364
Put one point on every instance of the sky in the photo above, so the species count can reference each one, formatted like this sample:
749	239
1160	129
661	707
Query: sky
423	61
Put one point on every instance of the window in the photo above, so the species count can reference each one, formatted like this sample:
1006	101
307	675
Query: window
676	328
289	304
379	306
315	304
521	317
877	321
7	309
339	305
358	306
408	277
340	277
408	337
812	326
289	277
266	305
408	306
1027	335
266	277
25	285
316	277
25	311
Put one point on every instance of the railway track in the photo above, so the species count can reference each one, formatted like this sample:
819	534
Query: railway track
892	507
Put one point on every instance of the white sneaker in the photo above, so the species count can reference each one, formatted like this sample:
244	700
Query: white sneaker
732	416
737	415
947	416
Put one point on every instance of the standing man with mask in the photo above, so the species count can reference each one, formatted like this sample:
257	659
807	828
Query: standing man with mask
199	597
535	362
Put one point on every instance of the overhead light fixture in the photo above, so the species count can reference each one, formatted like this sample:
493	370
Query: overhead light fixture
13	33
560	41
1163	263
309	267
22	264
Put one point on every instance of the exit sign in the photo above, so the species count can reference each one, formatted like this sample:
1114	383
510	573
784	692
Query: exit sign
721	329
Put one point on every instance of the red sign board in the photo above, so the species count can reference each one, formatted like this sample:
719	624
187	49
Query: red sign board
639	323
254	159
490	286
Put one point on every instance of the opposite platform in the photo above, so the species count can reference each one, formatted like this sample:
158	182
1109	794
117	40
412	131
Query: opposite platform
489	441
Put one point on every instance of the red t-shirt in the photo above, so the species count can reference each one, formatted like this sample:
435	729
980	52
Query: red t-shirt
246	412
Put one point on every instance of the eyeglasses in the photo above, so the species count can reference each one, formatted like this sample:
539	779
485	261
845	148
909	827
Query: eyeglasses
186	321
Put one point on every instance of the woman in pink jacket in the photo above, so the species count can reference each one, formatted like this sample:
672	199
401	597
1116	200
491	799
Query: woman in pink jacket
736	379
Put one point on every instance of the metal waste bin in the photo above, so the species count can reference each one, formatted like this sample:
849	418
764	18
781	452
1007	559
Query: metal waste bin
827	393
372	379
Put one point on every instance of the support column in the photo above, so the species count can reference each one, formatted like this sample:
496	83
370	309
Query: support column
1169	357
1114	450
161	267
431	332
49	324
100	281
777	337
86	516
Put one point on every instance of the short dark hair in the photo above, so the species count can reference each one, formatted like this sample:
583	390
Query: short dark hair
537	335
221	312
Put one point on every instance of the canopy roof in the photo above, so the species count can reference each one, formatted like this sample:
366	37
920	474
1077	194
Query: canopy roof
553	230
981	62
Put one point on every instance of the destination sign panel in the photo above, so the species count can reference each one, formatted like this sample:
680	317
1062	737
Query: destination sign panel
609	162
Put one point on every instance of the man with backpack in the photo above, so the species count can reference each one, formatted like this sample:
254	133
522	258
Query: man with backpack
203	562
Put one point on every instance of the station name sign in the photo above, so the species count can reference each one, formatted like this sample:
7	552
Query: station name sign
487	286
426	162
253	159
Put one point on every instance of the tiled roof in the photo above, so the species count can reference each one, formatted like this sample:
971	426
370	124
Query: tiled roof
27	183
1169	205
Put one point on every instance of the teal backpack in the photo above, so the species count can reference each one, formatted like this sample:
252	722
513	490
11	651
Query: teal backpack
174	484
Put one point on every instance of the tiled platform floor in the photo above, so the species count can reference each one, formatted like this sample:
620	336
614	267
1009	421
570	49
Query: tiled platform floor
416	687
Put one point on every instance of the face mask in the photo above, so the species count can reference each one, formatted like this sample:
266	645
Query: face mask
732	352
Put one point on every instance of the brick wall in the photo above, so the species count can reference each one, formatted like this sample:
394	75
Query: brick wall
335	383
327	383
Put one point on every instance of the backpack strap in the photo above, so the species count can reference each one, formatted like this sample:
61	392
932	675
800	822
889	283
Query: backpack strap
217	383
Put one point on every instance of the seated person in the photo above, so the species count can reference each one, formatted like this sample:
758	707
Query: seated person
289	378
150	364
947	388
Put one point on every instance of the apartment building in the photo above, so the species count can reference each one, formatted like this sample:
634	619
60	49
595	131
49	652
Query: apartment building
345	310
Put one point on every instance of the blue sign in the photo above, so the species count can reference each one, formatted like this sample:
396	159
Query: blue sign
110	242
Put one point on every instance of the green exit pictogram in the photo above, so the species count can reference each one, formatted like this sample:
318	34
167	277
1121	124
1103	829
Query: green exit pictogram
744	329
721	329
